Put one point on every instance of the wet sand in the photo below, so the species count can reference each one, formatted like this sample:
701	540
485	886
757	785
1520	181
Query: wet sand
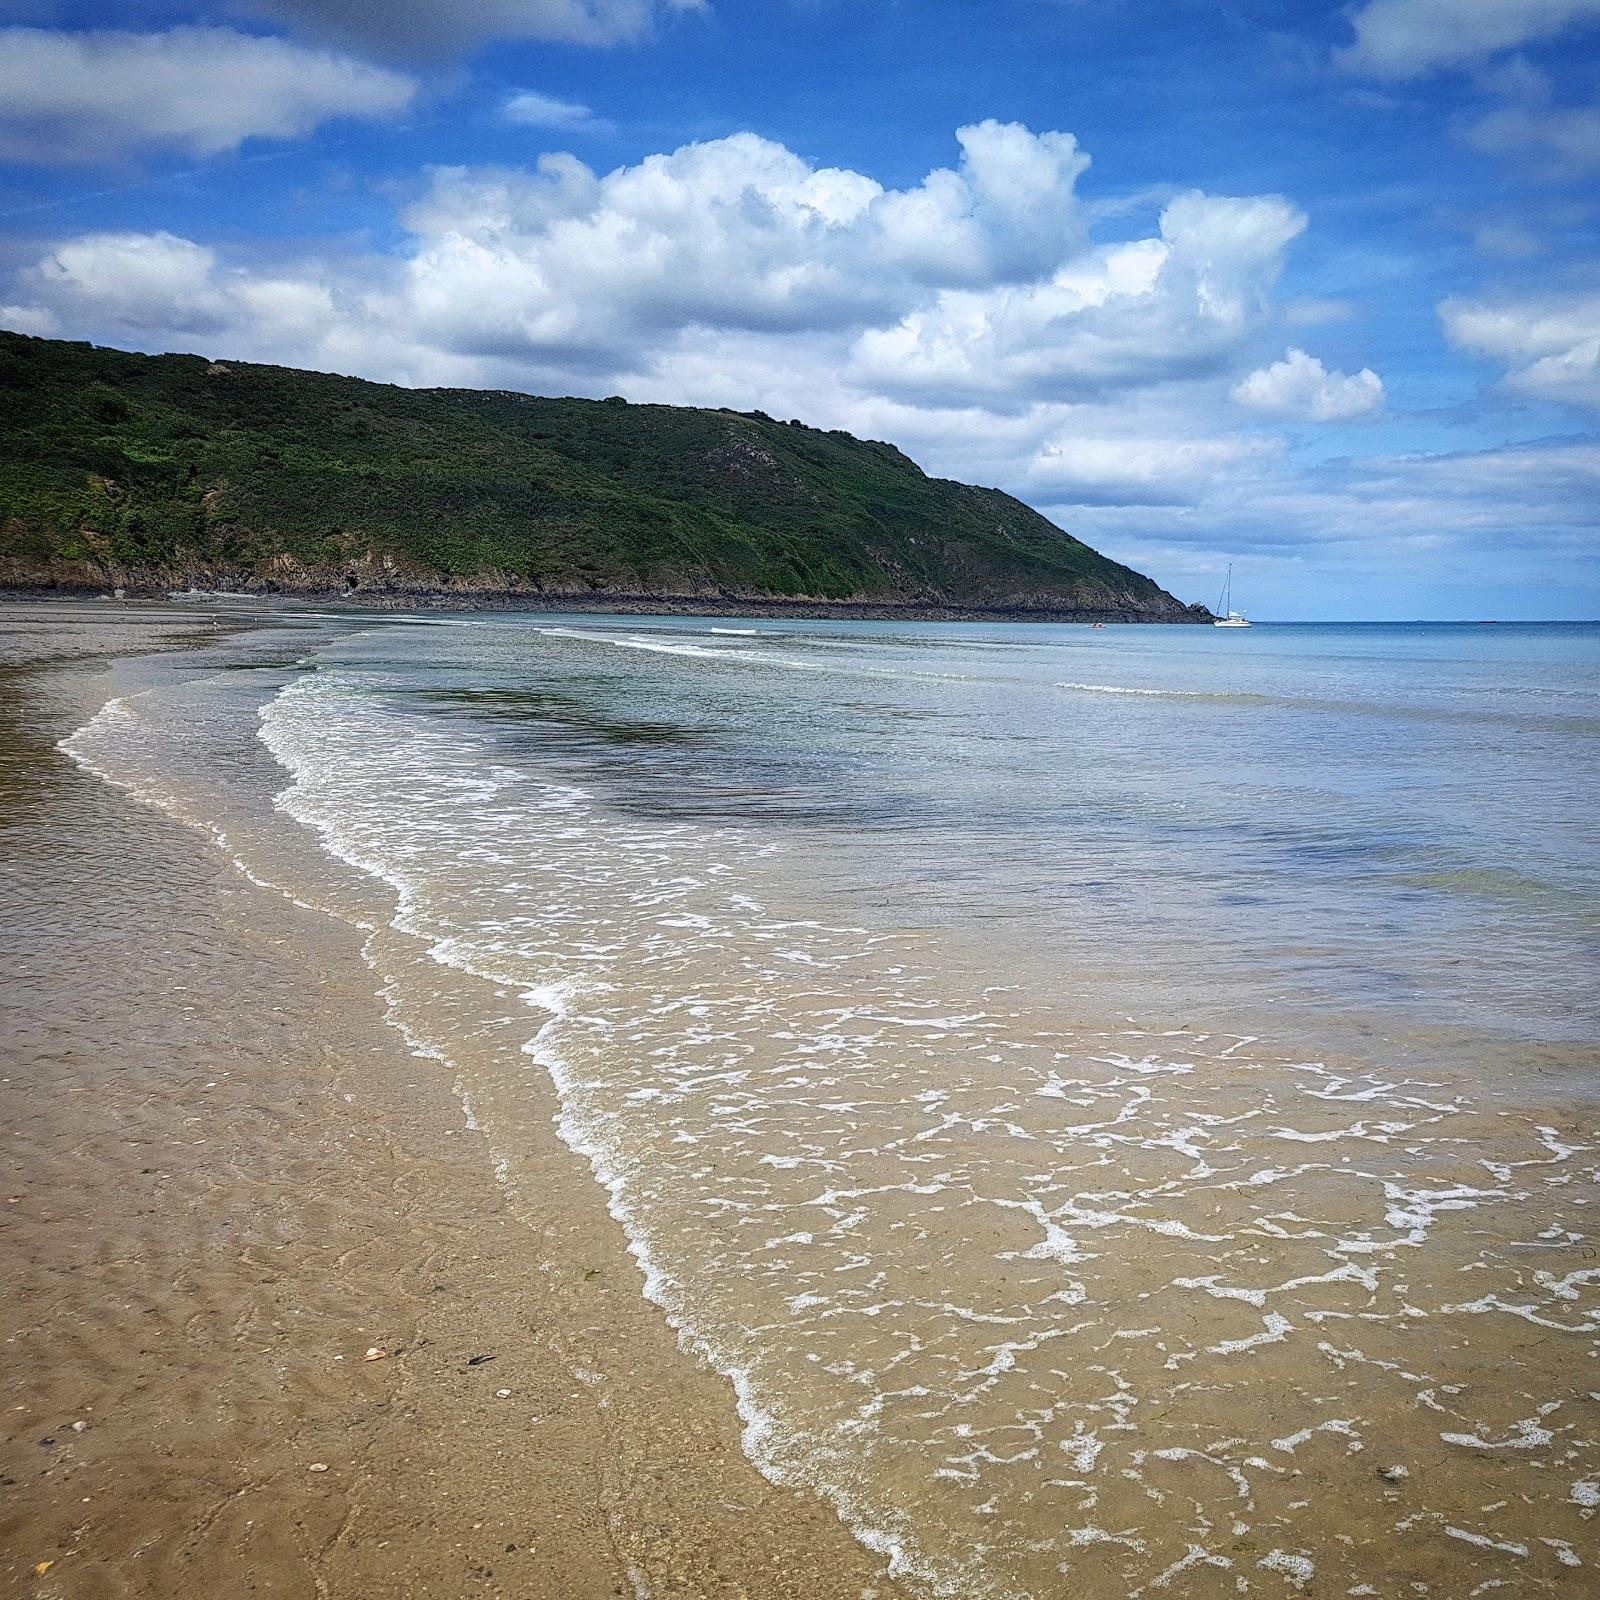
225	1179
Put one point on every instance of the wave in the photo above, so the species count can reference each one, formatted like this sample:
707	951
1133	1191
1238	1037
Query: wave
1158	694
751	657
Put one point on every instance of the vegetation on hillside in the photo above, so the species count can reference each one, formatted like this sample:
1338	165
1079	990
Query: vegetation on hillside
163	470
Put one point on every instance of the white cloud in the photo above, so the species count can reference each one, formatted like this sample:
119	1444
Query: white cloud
968	316
568	274
1560	141
78	96
37	320
977	286
535	110
160	289
735	233
1170	307
1410	38
1550	345
1300	387
139	282
428	27
1565	139
1146	469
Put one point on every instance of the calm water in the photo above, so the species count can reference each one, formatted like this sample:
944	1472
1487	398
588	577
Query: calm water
1118	1104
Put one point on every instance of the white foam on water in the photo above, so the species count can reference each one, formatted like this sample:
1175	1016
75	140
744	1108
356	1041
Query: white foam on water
1274	1328
1510	1547
1348	1273
1195	1556
1528	1434
1298	1569
1121	688
111	746
1292	1442
762	658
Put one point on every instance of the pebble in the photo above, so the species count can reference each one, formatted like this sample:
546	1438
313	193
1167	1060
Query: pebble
502	1394
1394	1474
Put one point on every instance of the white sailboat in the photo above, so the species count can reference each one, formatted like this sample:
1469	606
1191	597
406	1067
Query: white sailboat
1229	618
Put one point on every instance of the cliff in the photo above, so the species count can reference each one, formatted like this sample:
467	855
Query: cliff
160	472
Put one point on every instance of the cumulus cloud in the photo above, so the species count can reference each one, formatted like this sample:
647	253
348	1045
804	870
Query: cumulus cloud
737	274
37	320
158	285
76	96
1550	345
137	281
976	287
534	110
432	27
735	233
1169	307
568	270
1411	38
1300	387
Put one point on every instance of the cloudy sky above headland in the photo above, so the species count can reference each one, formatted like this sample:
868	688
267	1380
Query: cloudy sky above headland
1308	287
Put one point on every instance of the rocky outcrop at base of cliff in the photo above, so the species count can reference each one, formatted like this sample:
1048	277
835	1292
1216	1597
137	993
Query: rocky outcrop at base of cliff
382	582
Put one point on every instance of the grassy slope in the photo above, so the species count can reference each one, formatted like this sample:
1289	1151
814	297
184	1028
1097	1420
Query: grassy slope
171	469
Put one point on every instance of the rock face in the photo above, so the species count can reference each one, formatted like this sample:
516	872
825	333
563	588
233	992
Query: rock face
172	472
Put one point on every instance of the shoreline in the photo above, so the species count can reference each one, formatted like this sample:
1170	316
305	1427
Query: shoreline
378	601
260	1195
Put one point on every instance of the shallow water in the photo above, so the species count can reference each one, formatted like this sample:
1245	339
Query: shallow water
1118	1104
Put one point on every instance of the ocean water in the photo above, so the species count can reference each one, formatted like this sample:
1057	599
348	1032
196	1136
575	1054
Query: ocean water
1119	1105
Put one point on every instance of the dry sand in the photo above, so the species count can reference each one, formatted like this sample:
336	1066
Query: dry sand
224	1179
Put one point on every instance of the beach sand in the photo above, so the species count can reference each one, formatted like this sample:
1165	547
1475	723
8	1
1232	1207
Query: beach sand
225	1179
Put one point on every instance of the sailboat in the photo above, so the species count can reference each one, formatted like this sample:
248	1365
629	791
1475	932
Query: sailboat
1229	618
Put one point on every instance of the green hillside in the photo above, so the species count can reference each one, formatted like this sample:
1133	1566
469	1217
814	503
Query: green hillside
155	472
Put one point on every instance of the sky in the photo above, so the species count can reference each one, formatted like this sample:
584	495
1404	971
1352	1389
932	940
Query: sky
1308	288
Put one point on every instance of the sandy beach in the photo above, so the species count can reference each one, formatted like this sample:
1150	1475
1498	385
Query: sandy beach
507	1106
227	1183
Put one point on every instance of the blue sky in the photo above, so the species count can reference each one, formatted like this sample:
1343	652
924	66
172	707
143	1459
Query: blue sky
1310	288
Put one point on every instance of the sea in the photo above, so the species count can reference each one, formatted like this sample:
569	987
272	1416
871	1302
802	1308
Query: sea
1120	1106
